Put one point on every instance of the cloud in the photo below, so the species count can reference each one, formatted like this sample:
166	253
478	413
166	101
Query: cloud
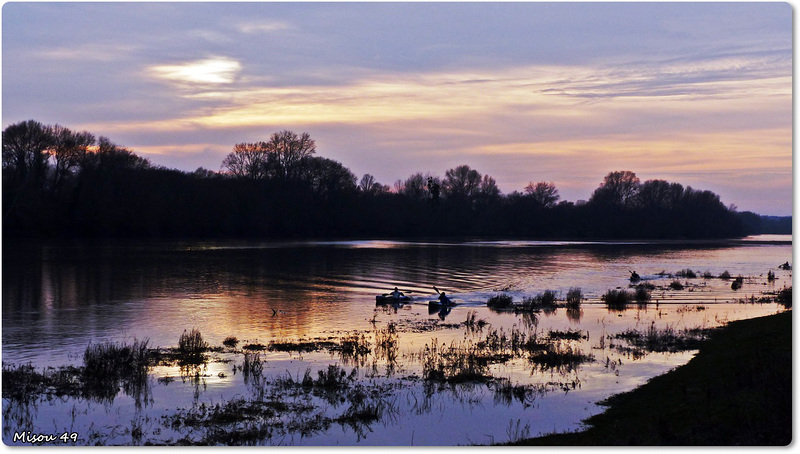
213	70
264	26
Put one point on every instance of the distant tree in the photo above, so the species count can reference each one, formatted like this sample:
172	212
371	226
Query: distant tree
247	160
202	172
543	194
25	147
434	189
286	153
414	187
327	176
617	189
660	195
461	182
368	185
109	157
68	152
488	188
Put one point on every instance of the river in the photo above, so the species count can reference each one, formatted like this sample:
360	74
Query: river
58	298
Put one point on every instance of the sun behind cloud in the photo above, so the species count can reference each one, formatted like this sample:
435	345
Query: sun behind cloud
212	70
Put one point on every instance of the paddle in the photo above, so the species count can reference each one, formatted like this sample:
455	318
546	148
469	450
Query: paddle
404	291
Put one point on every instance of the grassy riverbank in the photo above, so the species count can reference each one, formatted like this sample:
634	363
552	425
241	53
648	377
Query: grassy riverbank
736	391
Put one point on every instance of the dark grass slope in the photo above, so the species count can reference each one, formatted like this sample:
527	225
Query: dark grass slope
736	391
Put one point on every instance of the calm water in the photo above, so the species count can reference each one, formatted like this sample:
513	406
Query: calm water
57	299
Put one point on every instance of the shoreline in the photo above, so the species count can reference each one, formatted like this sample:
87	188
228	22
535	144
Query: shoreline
737	391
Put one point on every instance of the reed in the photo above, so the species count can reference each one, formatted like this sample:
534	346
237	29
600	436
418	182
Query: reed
617	299
501	301
231	342
574	297
676	285
191	346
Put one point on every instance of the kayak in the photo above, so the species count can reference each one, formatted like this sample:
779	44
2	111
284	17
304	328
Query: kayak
440	304
388	299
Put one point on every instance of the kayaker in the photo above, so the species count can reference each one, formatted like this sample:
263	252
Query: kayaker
396	294
445	300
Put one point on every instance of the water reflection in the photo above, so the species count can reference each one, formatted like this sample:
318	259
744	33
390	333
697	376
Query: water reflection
59	298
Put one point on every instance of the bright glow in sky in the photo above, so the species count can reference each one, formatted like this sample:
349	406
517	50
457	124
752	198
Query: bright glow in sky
699	94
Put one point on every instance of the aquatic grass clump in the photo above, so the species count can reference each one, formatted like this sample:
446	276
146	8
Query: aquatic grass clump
642	294
617	299
114	361
191	347
252	367
355	346
784	297
109	365
676	285
543	301
666	339
501	301
23	383
737	283
567	335
686	273
457	363
472	323
230	341
574	297
559	356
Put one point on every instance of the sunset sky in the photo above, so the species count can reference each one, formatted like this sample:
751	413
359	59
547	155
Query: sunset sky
699	94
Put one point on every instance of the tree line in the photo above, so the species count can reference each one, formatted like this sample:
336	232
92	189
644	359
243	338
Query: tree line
63	183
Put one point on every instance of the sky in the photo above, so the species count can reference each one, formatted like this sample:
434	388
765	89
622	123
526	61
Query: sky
694	93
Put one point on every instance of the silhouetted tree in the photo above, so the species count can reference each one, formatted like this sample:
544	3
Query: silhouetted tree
25	147
247	160
617	189
461	182
659	194
543	194
68	152
415	187
286	152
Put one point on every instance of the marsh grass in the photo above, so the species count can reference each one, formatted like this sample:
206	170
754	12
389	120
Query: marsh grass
676	285
231	342
737	283
666	339
567	335
107	366
546	301
506	392
252	366
456	363
296	346
192	346
784	297
23	383
642	294
561	357
617	299
472	323
501	301
574	297
686	273
107	369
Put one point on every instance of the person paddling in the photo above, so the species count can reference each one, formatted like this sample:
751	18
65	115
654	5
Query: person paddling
396	294
443	298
